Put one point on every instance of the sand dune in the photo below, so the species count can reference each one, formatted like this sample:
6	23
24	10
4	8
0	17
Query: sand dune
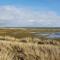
22	47
28	51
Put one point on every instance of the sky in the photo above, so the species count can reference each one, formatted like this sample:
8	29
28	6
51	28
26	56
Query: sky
29	13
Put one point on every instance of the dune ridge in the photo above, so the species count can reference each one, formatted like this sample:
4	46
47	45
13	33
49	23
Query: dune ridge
28	51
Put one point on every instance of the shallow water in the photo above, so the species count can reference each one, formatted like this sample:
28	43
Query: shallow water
48	35
54	35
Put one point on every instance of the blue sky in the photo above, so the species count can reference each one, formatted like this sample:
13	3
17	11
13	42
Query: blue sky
30	13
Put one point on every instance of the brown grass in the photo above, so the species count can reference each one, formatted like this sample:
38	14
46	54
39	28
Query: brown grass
12	47
28	51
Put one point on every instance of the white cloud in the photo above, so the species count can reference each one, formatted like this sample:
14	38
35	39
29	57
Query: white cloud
14	16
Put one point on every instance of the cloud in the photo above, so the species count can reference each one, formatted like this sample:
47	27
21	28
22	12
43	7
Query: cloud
16	17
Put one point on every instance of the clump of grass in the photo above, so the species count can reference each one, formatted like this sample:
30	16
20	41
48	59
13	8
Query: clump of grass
28	51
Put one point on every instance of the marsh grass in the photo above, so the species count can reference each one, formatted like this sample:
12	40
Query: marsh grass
28	51
21	45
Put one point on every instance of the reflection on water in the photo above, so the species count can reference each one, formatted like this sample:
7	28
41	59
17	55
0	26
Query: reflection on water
54	35
48	35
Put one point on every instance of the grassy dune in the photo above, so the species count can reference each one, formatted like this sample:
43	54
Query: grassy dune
28	51
12	47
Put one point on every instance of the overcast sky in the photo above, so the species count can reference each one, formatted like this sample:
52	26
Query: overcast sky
29	13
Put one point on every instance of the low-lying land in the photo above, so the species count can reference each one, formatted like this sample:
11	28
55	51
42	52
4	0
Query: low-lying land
20	44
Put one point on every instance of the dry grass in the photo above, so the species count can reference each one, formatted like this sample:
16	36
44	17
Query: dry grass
28	51
12	47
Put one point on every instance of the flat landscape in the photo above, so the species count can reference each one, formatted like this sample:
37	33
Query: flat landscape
29	43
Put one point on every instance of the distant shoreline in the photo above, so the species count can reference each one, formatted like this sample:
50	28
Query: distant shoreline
33	27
